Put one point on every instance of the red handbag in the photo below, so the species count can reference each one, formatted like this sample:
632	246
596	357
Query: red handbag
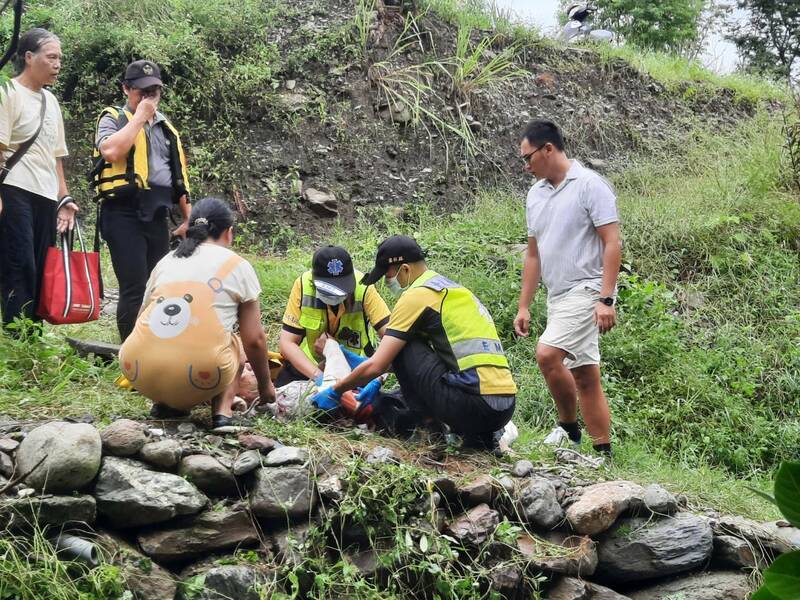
71	284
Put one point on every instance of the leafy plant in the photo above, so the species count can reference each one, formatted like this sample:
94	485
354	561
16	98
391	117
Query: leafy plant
782	578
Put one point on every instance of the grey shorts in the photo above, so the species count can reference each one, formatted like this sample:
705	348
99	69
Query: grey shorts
571	326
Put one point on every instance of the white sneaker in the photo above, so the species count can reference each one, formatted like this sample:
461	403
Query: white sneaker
559	437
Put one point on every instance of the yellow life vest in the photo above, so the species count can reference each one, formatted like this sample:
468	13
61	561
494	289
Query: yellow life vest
467	324
354	331
128	175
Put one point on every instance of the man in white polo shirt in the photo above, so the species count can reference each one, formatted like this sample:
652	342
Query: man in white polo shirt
574	248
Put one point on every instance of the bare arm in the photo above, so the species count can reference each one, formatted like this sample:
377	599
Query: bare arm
116	146
65	219
186	210
606	316
255	347
612	256
531	271
378	364
289	346
62	180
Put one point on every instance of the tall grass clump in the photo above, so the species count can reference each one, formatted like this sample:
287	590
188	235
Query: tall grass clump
30	569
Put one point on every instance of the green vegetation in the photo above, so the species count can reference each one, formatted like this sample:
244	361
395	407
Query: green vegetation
782	578
31	570
703	371
689	79
666	25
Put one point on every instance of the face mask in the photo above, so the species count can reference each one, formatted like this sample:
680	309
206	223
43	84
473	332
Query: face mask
331	300
394	285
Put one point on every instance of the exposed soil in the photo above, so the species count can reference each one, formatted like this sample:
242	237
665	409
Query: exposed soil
328	129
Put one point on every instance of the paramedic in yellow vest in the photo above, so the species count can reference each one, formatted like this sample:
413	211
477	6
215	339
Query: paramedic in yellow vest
327	301
140	174
443	346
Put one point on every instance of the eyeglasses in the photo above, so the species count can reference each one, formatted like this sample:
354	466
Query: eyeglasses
527	157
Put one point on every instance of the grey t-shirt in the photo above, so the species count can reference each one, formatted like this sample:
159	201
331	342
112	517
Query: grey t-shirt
159	171
563	221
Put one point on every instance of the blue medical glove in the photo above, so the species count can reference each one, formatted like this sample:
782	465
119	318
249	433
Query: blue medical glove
327	399
366	396
352	358
318	379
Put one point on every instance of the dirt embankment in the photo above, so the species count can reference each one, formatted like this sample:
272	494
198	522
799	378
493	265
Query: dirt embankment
336	134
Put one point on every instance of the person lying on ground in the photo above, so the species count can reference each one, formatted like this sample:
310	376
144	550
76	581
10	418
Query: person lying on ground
443	347
183	350
328	302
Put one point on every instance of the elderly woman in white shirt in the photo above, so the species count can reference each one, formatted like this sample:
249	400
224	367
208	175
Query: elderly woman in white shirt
34	201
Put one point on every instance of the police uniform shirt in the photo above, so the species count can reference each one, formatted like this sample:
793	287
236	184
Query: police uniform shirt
375	309
418	315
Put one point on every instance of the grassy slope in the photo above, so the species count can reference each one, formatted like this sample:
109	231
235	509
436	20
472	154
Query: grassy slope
698	393
703	372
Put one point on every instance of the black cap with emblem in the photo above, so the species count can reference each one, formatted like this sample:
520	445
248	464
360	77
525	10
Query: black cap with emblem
333	266
142	74
395	250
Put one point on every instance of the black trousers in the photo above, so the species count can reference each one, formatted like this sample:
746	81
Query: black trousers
27	230
421	375
135	247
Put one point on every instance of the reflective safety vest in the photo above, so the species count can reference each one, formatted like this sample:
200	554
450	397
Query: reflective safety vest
467	324
354	331
128	175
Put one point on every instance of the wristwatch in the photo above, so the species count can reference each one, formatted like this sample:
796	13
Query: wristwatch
607	300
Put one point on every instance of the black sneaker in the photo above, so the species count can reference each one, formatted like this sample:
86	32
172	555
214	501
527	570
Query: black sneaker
162	411
218	421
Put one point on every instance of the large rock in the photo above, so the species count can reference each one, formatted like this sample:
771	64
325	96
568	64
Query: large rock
71	453
144	578
475	526
569	588
6	465
601	504
659	501
46	510
124	437
522	468
719	585
478	491
209	475
210	531
130	494
282	492
770	537
539	504
288	545
578	559
224	582
246	461
639	549
251	441
286	455
165	454
733	552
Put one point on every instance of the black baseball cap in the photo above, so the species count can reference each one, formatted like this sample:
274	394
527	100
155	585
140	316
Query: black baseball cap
333	267
395	250
142	74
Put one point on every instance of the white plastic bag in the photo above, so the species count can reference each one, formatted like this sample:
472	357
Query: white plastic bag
292	399
510	434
